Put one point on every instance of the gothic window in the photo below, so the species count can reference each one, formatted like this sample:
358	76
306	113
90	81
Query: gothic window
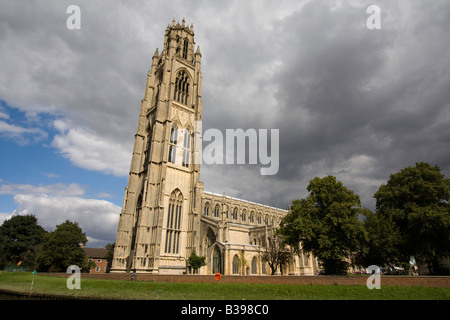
173	228
252	217
235	265
244	216
157	95
254	269
173	143
181	92
259	219
235	214
206	209
177	50
216	211
217	263
186	149
185	48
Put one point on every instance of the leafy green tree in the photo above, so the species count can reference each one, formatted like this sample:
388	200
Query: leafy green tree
382	245
326	224
61	248
196	261
17	236
109	255
242	261
416	199
274	252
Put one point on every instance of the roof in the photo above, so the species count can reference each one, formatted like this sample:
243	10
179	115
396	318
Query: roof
95	252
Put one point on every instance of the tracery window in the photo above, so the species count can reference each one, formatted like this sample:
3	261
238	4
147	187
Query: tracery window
181	92
254	269
185	48
252	217
235	214
206	209
186	149
173	143
173	230
235	265
216	211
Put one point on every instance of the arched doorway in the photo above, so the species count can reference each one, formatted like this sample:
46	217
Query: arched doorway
217	261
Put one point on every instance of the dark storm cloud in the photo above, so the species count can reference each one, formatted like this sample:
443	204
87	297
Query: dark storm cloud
356	103
354	93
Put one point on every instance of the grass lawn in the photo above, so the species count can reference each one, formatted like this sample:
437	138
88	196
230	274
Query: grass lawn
139	290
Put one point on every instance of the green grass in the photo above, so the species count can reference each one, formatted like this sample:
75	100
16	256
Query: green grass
118	289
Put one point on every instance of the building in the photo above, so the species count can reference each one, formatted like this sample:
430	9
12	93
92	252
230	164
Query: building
98	255
166	214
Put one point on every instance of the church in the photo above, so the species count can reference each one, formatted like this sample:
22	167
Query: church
166	213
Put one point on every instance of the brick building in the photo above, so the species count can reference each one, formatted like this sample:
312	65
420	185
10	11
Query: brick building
98	255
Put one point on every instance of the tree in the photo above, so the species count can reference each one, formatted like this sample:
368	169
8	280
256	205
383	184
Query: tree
33	256
109	255
61	248
383	241
196	261
275	253
326	224
416	199
17	236
243	261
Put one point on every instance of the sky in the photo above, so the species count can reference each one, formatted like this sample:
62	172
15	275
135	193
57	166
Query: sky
350	101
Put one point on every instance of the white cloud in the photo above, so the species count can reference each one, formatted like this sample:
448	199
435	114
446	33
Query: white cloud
4	217
20	134
57	189
53	204
97	218
91	151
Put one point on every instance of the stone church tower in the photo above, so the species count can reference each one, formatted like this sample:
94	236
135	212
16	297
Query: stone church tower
166	214
159	214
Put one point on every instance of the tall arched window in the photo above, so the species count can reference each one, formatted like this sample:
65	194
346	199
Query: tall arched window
235	265
186	148
185	48
216	211
173	230
235	213
254	268
217	261
173	143
181	93
252	217
206	209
